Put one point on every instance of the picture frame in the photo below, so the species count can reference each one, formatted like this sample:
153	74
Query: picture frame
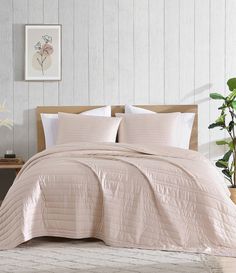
43	52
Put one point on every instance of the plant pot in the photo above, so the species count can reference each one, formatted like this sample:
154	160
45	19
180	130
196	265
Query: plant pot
233	194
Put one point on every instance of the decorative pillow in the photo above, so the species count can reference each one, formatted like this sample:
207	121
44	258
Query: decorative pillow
50	123
186	124
158	129
84	128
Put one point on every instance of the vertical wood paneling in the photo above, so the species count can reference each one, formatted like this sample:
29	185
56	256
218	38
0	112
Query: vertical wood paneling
141	51
230	39
50	16
126	52
217	69
111	87
120	51
202	54
6	71
66	86
35	16
156	53
96	66
186	52
81	75
21	128
171	51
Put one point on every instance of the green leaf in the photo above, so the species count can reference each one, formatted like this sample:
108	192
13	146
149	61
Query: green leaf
233	103
231	84
227	155
221	164
216	124
216	96
231	125
231	96
231	145
226	173
221	142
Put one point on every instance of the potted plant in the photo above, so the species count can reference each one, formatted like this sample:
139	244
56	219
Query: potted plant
226	121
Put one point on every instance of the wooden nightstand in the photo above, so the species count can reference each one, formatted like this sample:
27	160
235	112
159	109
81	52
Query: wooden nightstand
11	163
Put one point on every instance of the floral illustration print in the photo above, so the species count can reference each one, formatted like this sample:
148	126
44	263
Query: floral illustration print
44	50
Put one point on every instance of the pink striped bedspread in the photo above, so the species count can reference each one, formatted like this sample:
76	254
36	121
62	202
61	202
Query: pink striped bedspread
126	195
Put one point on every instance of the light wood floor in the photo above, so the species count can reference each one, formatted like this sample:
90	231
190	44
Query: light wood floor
227	264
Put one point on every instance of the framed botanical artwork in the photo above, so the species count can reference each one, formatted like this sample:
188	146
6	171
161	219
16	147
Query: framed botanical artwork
42	52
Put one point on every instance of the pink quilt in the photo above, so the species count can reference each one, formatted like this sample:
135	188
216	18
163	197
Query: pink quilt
126	195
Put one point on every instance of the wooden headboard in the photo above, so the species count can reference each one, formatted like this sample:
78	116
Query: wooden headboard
118	109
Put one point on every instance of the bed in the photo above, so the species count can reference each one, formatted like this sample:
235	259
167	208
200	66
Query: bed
128	195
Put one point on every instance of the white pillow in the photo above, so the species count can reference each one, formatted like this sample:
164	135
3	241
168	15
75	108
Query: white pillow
85	128
130	109
50	123
186	124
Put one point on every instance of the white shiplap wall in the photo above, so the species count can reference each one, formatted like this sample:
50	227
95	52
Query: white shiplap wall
116	52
